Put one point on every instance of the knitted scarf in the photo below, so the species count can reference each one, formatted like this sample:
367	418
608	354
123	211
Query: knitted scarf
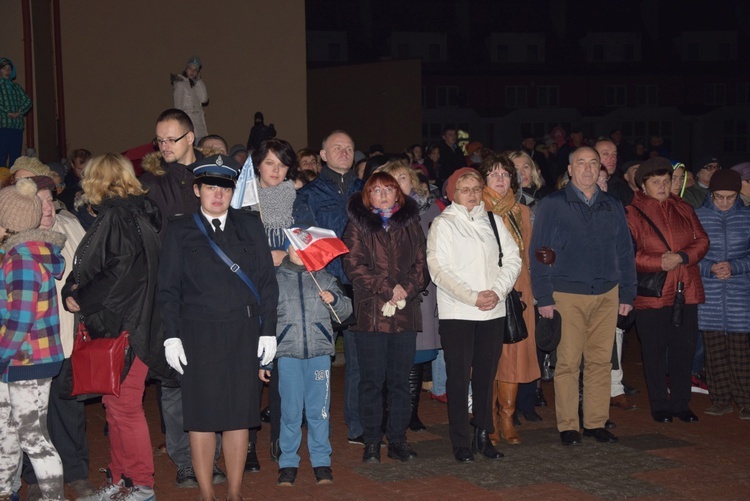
276	204
509	209
385	214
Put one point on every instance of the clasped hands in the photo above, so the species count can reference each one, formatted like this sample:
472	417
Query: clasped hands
174	352
670	261
722	270
487	300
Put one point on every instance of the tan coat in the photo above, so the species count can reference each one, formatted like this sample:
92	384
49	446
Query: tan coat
518	362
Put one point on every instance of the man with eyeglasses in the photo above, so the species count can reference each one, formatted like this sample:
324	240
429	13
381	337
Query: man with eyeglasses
322	203
704	169
169	180
584	269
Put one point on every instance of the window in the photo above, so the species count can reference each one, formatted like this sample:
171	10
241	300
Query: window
532	53
424	97
647	95
334	52
715	94
736	138
515	97
402	51
743	93
597	52
643	130
615	96
547	96
433	52
503	53
447	96
724	50
628	52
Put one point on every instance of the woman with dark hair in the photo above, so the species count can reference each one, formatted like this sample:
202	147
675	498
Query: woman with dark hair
668	237
463	254
388	270
276	166
518	362
112	286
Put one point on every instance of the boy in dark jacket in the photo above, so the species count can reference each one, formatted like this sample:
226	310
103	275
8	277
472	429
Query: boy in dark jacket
305	344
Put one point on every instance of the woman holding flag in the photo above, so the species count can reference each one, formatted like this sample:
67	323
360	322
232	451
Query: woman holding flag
388	270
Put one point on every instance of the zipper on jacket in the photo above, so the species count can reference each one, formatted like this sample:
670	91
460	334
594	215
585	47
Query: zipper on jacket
304	322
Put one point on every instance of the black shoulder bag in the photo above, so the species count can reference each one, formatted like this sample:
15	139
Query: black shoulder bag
651	283
515	327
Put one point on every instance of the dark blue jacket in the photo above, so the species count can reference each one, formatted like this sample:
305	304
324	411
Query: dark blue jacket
322	203
726	307
594	251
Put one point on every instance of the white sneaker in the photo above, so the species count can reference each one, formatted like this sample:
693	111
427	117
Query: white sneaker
105	492
136	493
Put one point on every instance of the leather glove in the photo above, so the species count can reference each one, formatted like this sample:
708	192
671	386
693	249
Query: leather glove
545	255
266	349
175	353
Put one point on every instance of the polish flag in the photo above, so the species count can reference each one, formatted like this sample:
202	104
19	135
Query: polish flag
316	247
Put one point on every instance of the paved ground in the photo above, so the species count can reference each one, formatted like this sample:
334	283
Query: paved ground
706	460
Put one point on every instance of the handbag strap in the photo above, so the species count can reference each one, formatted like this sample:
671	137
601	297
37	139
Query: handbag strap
493	223
659	234
234	267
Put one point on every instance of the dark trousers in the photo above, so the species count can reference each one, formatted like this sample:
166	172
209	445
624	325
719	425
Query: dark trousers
66	423
385	358
274	407
11	142
728	367
472	350
668	351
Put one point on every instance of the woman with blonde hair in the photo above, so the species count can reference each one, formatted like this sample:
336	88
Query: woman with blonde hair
532	183
112	288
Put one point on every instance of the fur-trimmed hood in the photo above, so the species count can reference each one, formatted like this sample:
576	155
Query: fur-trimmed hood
35	235
371	222
43	246
155	164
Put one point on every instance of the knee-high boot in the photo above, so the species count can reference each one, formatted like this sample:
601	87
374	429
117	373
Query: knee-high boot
416	376
507	396
495	435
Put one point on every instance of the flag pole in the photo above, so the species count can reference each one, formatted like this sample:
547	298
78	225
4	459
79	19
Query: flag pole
321	290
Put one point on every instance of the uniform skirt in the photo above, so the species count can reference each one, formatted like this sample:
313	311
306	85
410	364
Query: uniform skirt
220	387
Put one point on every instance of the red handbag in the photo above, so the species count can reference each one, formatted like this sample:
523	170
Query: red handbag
98	363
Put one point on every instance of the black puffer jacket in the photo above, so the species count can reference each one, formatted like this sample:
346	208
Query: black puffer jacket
378	260
115	268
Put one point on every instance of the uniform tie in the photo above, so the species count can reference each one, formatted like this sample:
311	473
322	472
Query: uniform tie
218	233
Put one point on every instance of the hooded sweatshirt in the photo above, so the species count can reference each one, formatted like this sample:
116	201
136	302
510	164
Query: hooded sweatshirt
30	346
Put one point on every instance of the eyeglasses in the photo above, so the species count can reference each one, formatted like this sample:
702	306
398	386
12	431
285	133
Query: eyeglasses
382	191
465	191
158	142
498	174
720	198
713	166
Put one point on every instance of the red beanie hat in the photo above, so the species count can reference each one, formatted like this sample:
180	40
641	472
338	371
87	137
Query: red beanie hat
450	188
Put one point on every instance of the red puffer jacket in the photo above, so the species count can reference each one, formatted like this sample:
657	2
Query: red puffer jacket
683	231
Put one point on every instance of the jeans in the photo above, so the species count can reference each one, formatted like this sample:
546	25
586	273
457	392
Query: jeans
439	376
11	141
305	384
351	387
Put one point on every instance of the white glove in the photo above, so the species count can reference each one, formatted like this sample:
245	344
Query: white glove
175	353
266	349
400	304
388	310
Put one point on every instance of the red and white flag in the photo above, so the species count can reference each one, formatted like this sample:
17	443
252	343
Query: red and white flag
316	247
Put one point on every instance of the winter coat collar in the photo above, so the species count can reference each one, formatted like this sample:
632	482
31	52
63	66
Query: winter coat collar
462	211
366	219
35	235
155	164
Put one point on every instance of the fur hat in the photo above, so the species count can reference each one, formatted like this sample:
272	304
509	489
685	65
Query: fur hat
649	166
31	164
20	208
725	179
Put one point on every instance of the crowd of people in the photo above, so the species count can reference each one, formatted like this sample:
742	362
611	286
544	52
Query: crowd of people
218	305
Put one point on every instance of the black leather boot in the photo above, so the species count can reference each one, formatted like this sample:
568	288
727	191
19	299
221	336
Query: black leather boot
482	444
416	376
251	462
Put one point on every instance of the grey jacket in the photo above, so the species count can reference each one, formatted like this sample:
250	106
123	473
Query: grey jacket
303	329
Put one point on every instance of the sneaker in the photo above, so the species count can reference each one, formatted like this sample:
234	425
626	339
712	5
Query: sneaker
698	385
135	493
218	476
107	491
323	475
186	478
401	451
719	410
360	440
287	476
